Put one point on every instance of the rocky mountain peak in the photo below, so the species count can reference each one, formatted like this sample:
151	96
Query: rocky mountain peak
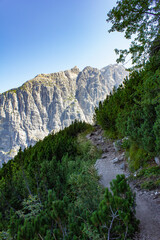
75	70
89	69
51	102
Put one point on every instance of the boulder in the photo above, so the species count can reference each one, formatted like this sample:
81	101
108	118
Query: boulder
157	160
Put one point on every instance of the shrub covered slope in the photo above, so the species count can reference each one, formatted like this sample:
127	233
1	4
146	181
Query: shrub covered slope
133	111
51	191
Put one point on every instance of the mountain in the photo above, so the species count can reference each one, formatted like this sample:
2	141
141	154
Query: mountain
50	102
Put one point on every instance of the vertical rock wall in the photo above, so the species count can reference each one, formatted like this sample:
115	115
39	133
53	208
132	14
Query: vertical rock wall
51	102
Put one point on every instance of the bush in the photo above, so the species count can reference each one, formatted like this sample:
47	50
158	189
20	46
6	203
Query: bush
149	178
137	157
133	109
115	217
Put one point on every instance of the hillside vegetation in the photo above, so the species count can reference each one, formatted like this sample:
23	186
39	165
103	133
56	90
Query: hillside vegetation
134	108
51	191
133	111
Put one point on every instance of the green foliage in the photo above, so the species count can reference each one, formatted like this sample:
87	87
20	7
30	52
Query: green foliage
107	111
150	171
139	19
149	177
51	190
151	184
134	110
137	157
31	208
126	143
47	189
155	47
110	133
115	217
5	236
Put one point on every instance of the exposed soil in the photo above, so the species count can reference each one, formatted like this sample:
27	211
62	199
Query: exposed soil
110	164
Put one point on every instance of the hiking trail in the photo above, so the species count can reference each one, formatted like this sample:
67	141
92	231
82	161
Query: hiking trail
113	162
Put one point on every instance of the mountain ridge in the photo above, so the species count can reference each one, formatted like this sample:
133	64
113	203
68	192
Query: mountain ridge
52	102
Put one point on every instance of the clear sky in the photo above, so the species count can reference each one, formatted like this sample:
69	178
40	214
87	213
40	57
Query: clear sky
45	36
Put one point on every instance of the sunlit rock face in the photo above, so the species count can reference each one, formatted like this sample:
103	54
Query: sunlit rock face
52	102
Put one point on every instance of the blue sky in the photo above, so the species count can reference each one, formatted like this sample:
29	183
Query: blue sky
44	36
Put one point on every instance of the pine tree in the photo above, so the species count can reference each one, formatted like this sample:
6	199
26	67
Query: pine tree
115	217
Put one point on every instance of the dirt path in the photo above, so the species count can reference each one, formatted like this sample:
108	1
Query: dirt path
148	205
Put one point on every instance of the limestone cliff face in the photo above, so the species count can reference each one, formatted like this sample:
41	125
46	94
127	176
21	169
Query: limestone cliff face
51	102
